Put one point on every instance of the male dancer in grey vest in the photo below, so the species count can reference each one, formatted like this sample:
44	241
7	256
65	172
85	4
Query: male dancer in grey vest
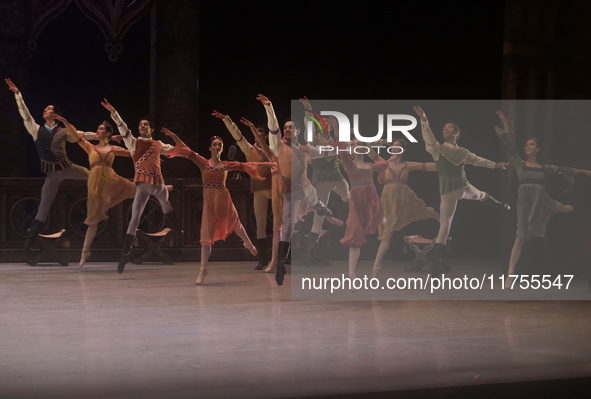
50	141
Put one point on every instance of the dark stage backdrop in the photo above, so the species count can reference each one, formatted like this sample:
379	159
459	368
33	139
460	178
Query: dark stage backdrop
324	50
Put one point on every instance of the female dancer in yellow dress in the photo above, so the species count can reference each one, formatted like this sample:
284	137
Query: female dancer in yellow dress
105	188
401	204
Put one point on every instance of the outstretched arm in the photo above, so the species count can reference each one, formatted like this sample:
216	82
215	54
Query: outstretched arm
73	135
30	124
583	171
473	159
424	166
431	145
128	138
507	137
244	145
174	137
266	150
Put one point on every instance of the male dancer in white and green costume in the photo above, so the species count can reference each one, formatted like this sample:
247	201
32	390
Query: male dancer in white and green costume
453	184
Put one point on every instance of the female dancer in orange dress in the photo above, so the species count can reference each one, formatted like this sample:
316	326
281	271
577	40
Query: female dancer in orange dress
365	208
220	218
401	204
105	188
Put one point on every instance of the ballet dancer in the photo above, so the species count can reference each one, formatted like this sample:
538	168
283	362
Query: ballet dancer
50	142
148	176
105	188
326	178
365	207
220	217
401	204
263	191
453	184
534	205
296	185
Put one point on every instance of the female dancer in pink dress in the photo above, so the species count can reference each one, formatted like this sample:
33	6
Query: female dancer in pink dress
401	204
105	188
220	218
365	208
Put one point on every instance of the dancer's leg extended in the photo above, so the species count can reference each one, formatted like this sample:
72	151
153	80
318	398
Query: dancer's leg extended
161	194
52	185
247	243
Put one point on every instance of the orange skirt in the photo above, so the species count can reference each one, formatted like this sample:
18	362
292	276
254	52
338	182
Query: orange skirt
220	218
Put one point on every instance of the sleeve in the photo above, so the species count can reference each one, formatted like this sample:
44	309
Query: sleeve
272	123
424	166
274	132
186	152
275	143
315	151
244	145
121	152
379	166
508	140
563	172
86	146
166	148
128	138
30	124
86	135
252	168
473	159
431	145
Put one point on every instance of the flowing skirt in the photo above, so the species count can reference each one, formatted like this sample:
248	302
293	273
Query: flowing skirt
402	207
105	190
365	214
220	218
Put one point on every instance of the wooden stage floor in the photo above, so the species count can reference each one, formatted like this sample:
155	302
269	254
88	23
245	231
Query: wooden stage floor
70	332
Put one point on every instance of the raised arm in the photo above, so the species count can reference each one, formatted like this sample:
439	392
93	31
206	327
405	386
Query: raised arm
244	145
272	124
431	145
30	124
73	135
507	137
128	138
503	118
264	147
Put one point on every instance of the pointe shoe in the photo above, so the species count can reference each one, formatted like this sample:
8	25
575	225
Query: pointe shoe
85	255
272	265
251	248
201	277
375	271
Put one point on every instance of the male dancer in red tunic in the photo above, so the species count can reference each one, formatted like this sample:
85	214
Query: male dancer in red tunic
148	176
